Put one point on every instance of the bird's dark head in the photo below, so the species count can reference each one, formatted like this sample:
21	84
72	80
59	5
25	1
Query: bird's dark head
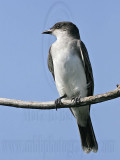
62	29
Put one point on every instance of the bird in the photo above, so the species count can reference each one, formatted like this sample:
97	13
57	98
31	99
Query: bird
69	63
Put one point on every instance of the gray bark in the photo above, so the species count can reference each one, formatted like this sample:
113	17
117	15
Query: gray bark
65	104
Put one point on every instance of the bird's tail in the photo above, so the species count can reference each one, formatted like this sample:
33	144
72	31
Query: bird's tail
88	139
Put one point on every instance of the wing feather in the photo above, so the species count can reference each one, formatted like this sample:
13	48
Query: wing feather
50	63
87	66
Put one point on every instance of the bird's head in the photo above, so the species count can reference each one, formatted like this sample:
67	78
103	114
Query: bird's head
62	29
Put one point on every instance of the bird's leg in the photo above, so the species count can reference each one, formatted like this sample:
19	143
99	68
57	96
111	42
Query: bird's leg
58	101
76	100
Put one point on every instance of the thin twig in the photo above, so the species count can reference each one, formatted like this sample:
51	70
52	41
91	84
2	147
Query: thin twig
65	104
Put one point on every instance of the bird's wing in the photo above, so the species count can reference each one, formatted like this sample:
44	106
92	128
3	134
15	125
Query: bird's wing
50	63
83	53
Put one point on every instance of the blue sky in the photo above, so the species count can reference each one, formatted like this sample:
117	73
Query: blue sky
39	134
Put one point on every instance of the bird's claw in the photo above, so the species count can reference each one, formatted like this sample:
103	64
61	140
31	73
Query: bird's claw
58	102
76	100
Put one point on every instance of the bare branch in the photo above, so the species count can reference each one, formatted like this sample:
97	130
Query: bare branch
66	103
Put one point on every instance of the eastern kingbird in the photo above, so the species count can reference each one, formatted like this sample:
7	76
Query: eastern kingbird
69	63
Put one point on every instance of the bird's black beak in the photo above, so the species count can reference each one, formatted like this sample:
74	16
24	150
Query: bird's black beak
47	32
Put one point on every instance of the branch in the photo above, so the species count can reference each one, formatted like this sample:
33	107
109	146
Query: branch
65	104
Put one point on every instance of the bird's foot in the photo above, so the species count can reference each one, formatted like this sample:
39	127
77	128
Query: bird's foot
76	100
58	101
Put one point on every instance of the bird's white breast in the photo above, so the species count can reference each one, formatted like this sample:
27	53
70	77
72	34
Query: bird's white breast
68	70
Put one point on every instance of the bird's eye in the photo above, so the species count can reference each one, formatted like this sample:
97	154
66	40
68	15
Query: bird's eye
58	26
